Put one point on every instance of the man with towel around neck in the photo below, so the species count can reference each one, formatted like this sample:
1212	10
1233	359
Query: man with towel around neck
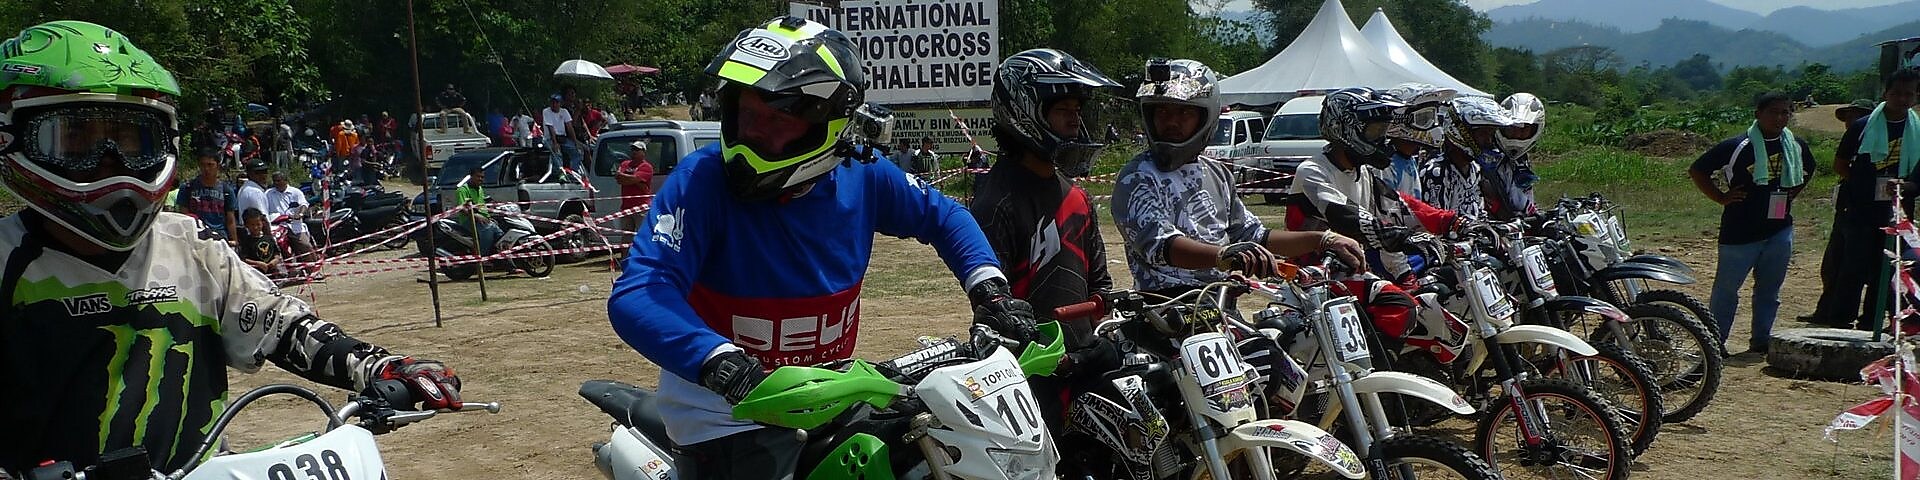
1759	173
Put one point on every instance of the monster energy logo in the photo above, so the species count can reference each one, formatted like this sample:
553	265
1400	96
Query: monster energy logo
149	386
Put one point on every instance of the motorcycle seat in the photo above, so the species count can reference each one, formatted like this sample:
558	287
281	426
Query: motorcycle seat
630	405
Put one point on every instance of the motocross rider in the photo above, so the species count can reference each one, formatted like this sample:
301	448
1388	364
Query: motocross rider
1414	138
1510	176
1340	190
1453	179
773	224
1042	225
122	319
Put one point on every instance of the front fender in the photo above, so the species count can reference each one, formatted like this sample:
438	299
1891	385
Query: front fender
1297	437
1671	263
1592	305
1624	271
1412	385
1546	335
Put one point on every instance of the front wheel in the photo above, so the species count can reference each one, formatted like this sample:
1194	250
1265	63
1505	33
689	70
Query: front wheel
1684	354
1433	458
1582	439
399	241
1625	380
540	261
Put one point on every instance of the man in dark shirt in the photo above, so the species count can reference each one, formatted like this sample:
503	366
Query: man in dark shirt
1865	200
451	101
209	198
1756	227
256	243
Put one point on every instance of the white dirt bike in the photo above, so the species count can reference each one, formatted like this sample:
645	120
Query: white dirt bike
965	406
344	451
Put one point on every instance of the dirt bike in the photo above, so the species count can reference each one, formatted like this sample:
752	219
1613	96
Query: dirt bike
1617	374
1670	329
1544	413
343	450
1189	395
965	406
1339	388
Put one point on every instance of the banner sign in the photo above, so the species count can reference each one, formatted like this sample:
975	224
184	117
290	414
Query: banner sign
919	51
911	126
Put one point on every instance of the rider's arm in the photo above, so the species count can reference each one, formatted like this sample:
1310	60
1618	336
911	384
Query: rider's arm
1144	212
1097	277
1316	193
258	324
907	207
1438	221
649	308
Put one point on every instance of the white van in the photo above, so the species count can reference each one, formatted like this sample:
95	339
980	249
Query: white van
1238	132
455	139
1292	136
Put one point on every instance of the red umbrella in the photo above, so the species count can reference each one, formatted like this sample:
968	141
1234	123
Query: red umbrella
623	69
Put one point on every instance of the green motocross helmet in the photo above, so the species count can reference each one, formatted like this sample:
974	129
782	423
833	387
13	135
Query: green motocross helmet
788	92
87	130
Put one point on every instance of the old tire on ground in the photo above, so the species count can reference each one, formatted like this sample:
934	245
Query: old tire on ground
1825	353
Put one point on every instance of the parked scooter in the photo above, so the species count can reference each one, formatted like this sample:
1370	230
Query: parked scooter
526	250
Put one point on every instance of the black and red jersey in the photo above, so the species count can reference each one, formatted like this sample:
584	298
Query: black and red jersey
1047	236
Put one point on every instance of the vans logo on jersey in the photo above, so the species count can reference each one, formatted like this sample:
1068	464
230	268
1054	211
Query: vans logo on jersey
153	295
669	228
87	304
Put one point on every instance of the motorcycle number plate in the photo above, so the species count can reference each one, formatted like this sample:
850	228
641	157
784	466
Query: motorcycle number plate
1536	264
1216	366
1349	335
1619	234
1499	305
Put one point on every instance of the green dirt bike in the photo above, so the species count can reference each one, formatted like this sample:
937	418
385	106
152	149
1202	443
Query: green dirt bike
966	407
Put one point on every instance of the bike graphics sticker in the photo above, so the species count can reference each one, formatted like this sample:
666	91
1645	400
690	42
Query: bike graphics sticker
1217	367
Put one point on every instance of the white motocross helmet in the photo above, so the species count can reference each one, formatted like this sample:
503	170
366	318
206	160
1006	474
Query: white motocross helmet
1529	117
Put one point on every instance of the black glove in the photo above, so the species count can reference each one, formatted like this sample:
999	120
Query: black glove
431	383
732	375
1247	257
995	308
1100	356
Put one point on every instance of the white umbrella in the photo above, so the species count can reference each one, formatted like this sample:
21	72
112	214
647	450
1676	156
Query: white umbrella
582	69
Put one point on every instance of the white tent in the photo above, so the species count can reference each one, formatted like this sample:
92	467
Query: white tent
1381	33
1330	54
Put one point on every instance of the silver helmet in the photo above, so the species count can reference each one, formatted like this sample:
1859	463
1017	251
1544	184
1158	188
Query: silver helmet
1427	112
1178	84
1529	116
1475	112
1027	84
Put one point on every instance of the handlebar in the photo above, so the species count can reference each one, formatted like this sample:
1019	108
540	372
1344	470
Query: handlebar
1088	309
374	407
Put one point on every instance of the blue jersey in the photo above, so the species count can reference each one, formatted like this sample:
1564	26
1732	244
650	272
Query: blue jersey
779	279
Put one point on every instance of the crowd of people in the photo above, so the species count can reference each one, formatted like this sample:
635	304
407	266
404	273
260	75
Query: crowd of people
777	201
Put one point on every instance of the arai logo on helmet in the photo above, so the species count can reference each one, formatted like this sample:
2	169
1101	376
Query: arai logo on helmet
761	46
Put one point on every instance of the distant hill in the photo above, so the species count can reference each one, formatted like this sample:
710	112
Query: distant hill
1823	28
1675	40
1626	15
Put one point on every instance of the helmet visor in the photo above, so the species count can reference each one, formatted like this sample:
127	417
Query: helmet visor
79	137
1424	117
1520	132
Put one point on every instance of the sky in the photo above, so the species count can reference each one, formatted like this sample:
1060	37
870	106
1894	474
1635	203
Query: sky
1756	6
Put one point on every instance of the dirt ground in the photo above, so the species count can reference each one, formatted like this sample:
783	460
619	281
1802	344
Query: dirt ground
535	340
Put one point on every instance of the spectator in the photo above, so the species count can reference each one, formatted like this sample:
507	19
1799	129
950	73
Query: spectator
523	128
505	132
286	200
384	131
473	192
592	119
253	192
364	128
709	109
1832	258
925	159
256	244
210	199
495	120
635	176
345	137
1869	159
451	101
1763	171
555	119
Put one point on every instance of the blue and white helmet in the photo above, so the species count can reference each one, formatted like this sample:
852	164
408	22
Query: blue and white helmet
1475	112
1357	119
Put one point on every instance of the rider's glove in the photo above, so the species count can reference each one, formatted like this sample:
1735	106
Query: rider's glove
732	374
995	307
1100	356
1247	257
432	383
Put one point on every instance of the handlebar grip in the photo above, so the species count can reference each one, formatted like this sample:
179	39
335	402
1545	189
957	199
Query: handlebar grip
1087	309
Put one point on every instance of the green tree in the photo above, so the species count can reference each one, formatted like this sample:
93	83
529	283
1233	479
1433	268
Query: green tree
1698	72
1516	70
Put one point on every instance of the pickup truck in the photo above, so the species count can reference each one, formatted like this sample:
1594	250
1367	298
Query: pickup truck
441	146
1292	136
1237	134
521	174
